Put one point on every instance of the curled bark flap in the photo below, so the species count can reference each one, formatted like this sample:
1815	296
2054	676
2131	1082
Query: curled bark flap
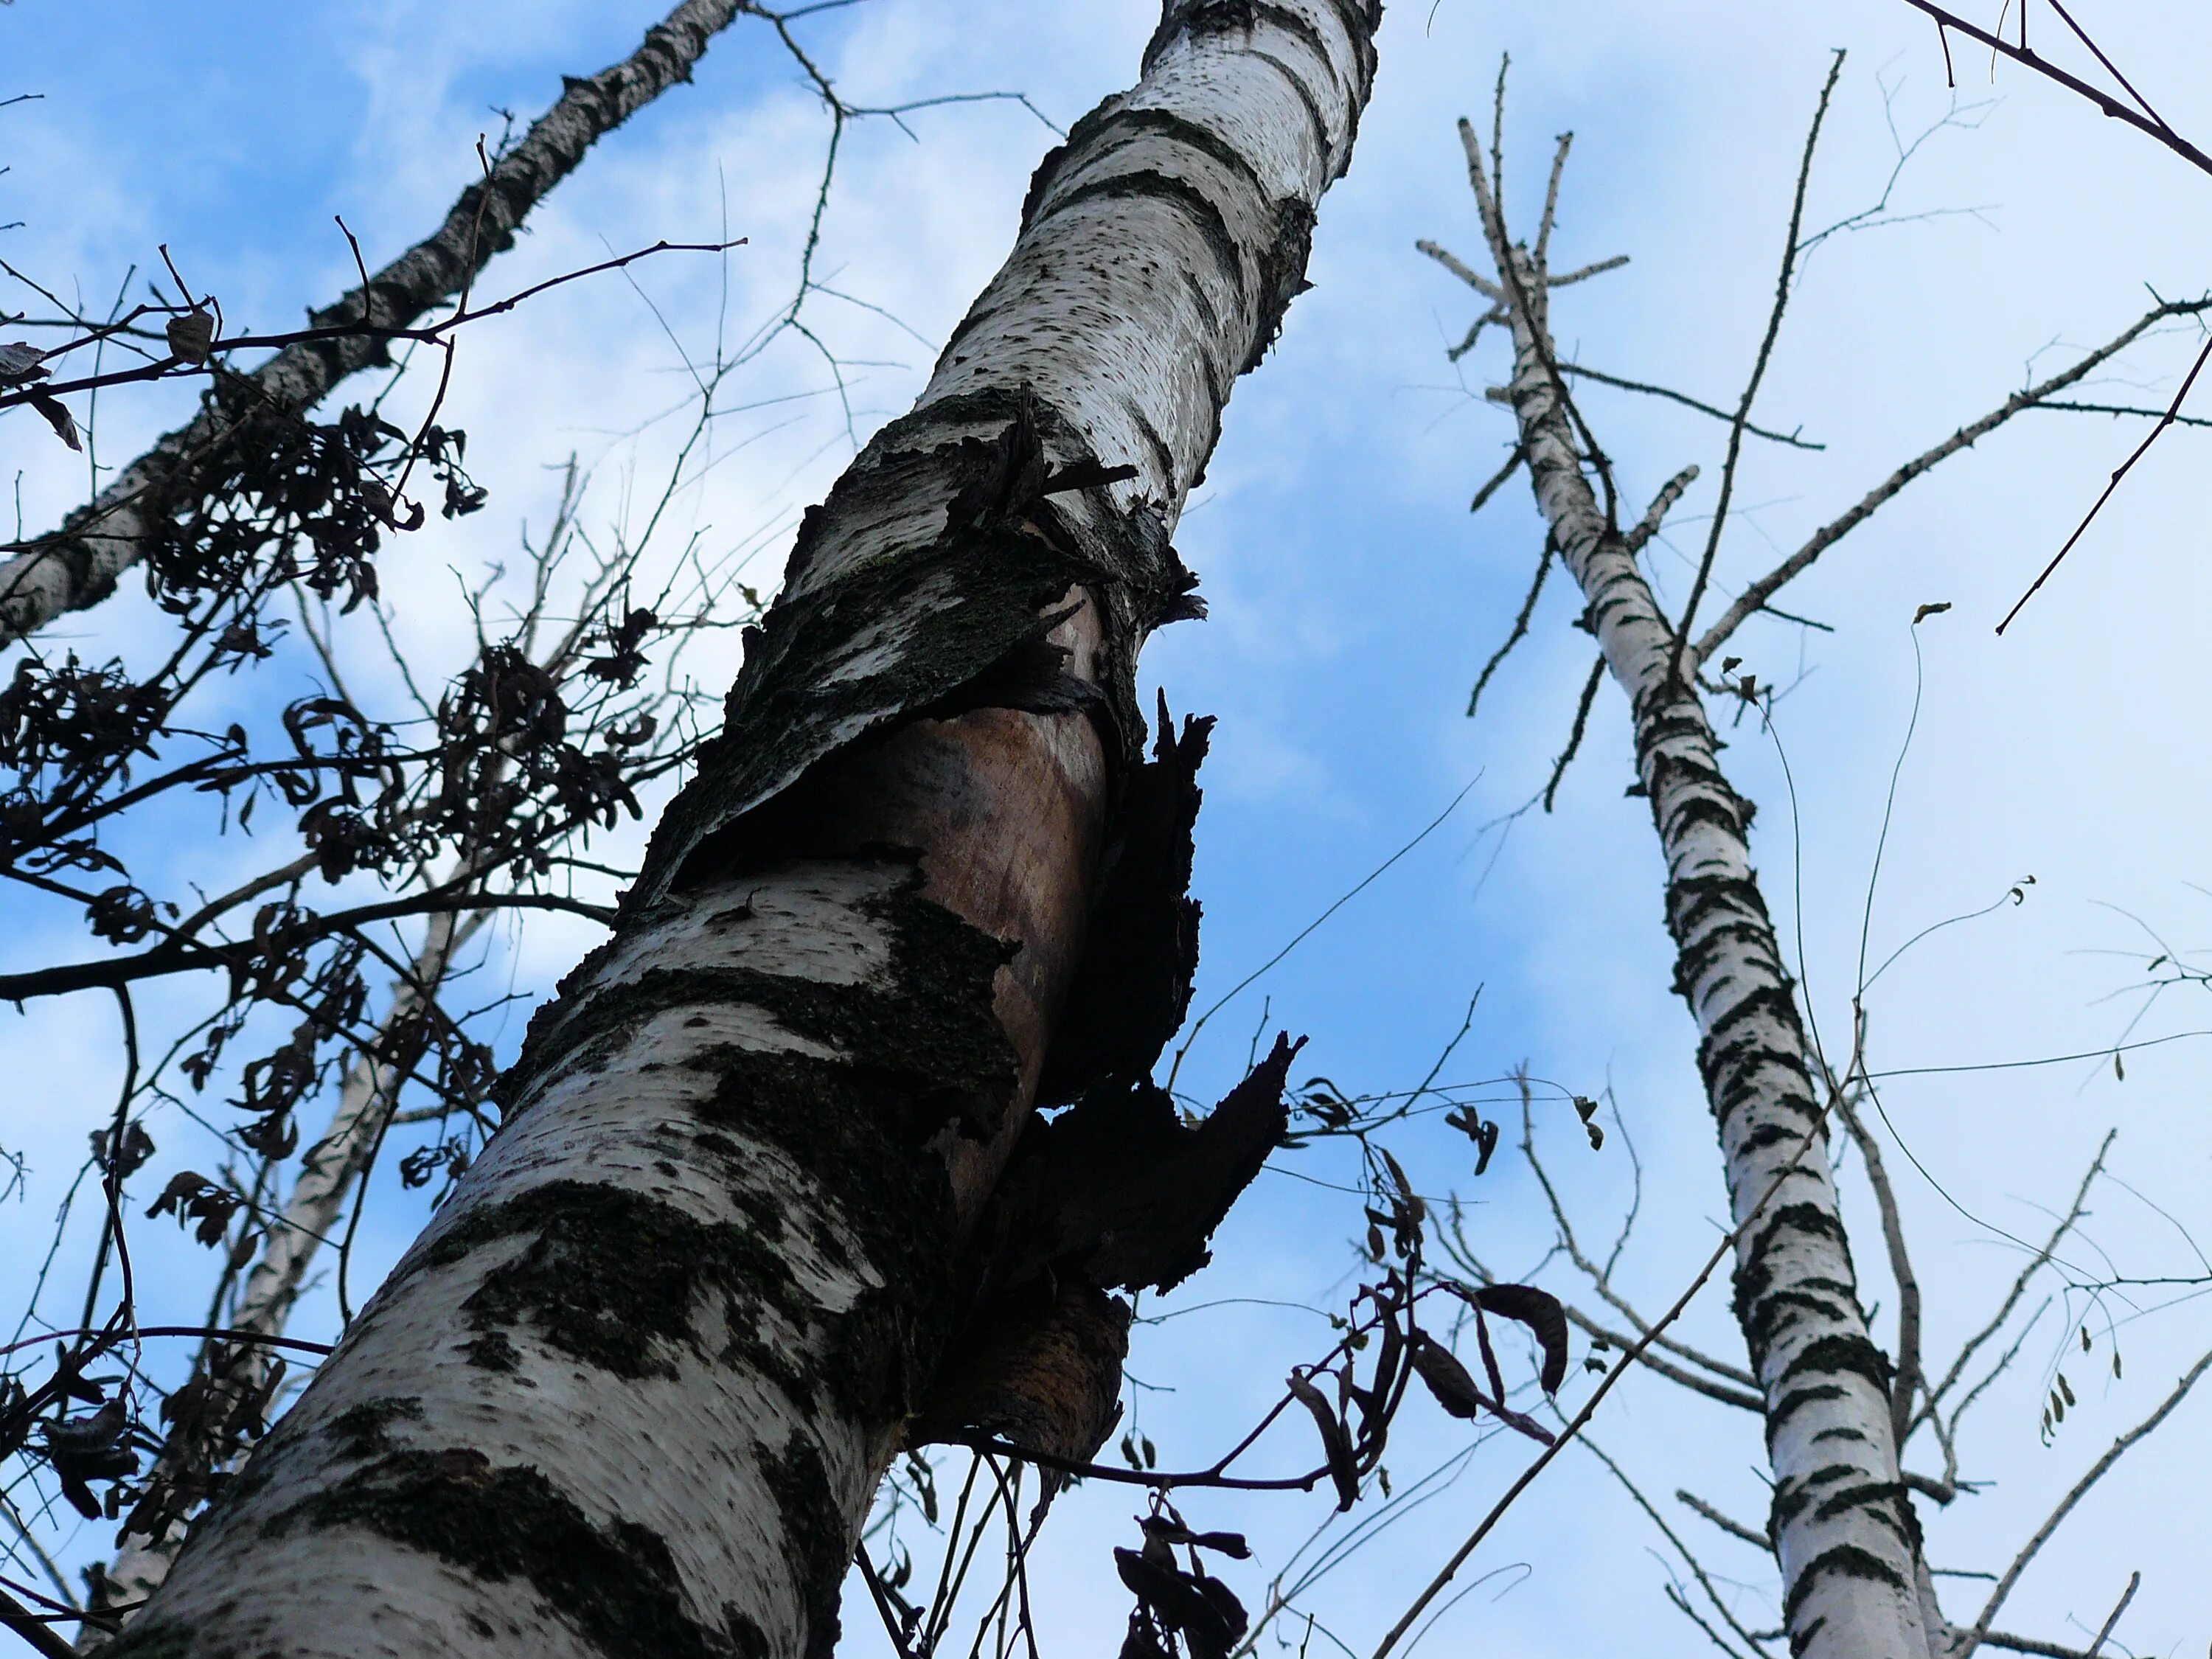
924	586
1132	987
1121	1189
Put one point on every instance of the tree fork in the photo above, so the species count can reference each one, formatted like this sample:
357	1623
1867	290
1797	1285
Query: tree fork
634	1389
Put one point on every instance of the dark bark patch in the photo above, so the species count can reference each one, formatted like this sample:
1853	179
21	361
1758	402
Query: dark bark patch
926	1022
815	1530
614	1278
1844	1560
1795	1398
1282	273
1186	197
616	1586
1852	1352
365	1431
1114	126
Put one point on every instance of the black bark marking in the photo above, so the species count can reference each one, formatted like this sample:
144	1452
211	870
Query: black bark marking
1315	119
1844	1560
614	1280
618	1586
815	1528
1282	273
1830	1354
1112	127
1152	184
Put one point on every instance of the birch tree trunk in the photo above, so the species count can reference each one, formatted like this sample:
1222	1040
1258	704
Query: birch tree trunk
633	1390
78	566
367	1096
1855	1586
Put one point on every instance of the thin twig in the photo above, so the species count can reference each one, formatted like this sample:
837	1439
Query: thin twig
1754	597
1687	402
1741	422
2097	1471
1520	630
1575	736
2105	101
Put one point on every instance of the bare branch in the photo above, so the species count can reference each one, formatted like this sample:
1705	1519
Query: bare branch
1498	480
1754	597
1740	424
1520	630
2097	1471
1908	1379
1687	402
78	565
1733	1528
1661	505
1575	736
2148	123
1550	203
2066	1225
1460	269
1588	271
1697	1568
2112	484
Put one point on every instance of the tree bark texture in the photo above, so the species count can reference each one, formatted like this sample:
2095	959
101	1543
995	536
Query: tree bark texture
78	564
633	1390
1843	1525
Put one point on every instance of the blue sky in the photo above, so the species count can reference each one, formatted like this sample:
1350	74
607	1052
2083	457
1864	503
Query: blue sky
1353	599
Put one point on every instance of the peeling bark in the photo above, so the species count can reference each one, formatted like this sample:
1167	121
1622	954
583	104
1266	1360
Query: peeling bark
78	565
1845	1533
632	1390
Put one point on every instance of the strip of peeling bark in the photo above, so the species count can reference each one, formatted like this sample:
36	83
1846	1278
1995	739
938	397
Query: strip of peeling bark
78	564
632	1390
1855	1586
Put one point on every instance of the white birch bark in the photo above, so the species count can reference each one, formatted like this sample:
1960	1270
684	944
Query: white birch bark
1844	1533
632	1390
78	566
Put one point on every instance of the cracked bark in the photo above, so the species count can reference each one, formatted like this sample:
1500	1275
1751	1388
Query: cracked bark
1855	1586
634	1389
79	563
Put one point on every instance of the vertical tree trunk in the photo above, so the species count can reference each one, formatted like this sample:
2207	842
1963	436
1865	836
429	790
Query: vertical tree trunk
233	1371
1849	1543
634	1389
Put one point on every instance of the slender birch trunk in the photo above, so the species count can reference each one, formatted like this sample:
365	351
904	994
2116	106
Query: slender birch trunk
367	1096
632	1390
78	566
1855	1586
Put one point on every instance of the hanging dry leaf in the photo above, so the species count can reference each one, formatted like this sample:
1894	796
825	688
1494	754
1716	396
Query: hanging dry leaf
1447	1379
58	418
1335	1444
190	335
1541	1313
